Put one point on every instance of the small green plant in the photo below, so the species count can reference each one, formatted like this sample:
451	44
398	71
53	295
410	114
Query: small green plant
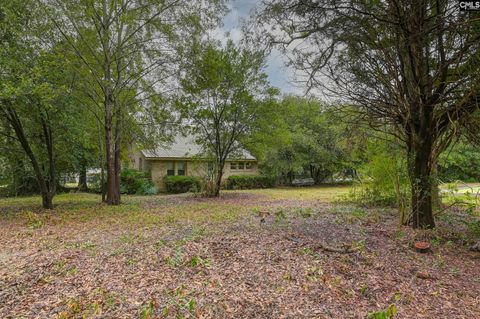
304	212
389	313
180	303
148	310
34	221
314	273
280	215
177	258
474	228
364	289
197	261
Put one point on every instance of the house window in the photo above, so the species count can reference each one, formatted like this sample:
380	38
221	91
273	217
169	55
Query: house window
170	168
140	164
248	165
181	168
241	165
233	165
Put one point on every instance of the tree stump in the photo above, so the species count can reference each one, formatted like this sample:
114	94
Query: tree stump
422	247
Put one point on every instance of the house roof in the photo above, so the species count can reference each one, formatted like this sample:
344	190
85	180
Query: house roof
185	147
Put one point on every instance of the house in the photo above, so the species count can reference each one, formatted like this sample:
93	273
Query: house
184	157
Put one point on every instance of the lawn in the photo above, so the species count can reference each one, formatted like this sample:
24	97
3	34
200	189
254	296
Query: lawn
184	256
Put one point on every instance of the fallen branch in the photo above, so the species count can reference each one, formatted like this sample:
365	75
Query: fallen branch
346	249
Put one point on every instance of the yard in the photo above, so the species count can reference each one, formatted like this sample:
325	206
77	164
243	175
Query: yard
181	256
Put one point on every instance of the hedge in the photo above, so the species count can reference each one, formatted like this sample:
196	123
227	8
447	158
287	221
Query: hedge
181	184
249	181
137	182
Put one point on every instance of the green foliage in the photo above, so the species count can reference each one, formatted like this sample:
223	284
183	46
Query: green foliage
148	310
136	182
249	181
222	93
19	181
298	137
34	221
389	313
182	184
474	228
197	261
460	162
383	179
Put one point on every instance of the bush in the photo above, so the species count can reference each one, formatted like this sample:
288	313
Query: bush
182	184
383	179
248	182
136	182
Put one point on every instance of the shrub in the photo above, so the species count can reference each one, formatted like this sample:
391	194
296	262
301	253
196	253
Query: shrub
249	181
383	179
182	184
137	182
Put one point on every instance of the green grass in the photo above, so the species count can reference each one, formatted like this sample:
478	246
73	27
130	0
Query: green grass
169	210
323	194
139	211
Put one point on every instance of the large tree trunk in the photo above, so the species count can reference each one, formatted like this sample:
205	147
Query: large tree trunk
47	200
421	179
82	179
47	188
112	198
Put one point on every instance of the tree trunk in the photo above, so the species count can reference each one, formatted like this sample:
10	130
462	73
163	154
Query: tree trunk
111	185
118	142
103	187
82	179
47	200
112	198
420	170
118	169
47	188
218	182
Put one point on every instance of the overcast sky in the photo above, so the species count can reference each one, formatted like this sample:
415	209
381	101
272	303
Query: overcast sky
278	74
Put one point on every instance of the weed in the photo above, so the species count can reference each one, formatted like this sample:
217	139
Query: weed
389	313
280	215
314	273
364	289
304	212
180	303
34	221
196	261
148	310
177	259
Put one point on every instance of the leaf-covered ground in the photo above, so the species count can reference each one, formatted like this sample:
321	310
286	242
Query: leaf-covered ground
182	256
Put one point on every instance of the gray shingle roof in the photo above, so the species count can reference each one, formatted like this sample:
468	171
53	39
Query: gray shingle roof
185	147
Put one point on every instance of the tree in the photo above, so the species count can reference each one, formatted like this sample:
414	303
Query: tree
409	67
460	162
28	100
297	137
128	50
222	94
